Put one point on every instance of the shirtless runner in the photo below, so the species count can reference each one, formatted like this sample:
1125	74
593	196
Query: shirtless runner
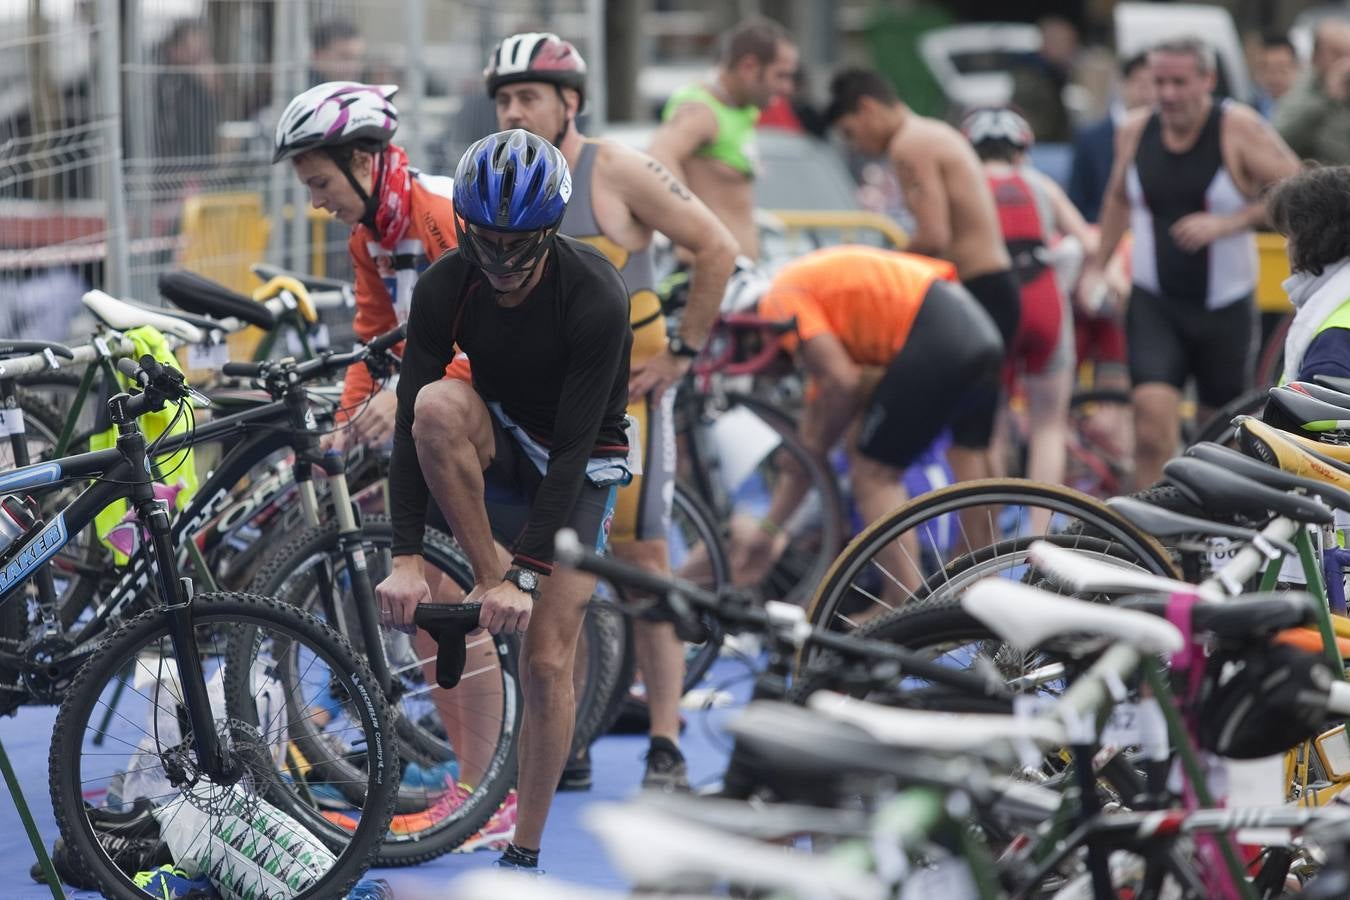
707	136
955	219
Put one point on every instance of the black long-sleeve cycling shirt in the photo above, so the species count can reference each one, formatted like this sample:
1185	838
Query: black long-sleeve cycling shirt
557	363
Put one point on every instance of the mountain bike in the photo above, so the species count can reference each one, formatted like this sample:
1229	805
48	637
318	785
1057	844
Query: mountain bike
196	681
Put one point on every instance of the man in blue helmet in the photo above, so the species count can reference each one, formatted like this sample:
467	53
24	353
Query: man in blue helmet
536	443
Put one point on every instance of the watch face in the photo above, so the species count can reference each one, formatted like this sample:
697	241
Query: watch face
527	580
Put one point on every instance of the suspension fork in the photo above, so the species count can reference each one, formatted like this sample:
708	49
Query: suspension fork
353	551
176	595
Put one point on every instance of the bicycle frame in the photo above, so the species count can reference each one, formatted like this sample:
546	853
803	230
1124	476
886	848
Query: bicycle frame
122	474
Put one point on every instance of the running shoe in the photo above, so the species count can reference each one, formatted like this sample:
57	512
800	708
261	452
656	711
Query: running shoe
666	768
576	775
499	831
433	815
169	883
130	839
435	778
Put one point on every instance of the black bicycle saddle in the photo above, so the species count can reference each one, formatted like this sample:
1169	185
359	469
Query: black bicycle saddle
448	623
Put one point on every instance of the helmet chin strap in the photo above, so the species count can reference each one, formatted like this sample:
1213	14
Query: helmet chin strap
567	120
369	201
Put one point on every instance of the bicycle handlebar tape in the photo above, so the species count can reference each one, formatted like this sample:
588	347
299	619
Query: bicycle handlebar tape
242	369
448	624
388	339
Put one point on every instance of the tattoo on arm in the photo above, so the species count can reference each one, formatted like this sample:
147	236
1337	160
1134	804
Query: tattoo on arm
669	180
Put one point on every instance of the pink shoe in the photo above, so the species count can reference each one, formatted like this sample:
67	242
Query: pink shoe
499	831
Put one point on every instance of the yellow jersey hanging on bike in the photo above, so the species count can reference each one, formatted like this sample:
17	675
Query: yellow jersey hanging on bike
176	472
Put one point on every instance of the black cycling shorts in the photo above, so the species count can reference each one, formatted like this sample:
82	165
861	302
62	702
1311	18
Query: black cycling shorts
942	375
510	483
1001	296
1169	340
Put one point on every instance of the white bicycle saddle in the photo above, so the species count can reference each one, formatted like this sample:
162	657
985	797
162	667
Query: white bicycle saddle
122	316
1026	616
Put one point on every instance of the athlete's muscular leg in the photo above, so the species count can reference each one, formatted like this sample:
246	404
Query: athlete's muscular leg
660	654
472	711
452	429
550	701
970	464
877	490
1048	429
1157	429
454	441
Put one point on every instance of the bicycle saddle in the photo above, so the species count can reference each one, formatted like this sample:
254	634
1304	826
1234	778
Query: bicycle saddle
1326	394
1165	523
1310	413
205	323
1240	619
1335	382
448	624
267	271
1270	475
122	315
1228	493
1285	449
205	297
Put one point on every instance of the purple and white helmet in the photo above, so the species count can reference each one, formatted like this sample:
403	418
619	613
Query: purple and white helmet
336	113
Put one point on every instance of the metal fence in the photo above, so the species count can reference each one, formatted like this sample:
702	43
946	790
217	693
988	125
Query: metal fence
135	135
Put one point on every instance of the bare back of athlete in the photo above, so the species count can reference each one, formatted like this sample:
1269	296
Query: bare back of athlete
946	191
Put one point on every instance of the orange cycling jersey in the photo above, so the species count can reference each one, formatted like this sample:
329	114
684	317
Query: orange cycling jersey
865	296
384	280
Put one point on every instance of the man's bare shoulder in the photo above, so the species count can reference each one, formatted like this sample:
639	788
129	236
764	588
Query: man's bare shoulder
928	137
694	115
1241	120
625	169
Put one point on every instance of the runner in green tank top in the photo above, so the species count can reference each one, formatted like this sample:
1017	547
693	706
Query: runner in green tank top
707	137
620	196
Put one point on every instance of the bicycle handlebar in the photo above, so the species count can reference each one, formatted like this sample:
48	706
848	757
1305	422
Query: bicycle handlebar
326	363
16	348
780	620
386	341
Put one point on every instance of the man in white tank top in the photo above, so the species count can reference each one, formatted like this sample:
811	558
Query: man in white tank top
1187	183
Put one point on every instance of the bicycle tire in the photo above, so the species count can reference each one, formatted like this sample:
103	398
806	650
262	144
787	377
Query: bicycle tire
416	846
1270	364
231	611
1219	429
986	492
609	672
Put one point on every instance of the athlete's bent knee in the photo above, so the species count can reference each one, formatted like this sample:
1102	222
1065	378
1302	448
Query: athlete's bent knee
447	412
546	674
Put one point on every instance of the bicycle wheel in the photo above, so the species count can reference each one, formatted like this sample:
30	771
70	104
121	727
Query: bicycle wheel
1219	428
604	668
467	734
920	539
1270	365
263	834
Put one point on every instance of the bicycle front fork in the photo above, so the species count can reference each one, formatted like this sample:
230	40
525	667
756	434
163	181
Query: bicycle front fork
176	596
